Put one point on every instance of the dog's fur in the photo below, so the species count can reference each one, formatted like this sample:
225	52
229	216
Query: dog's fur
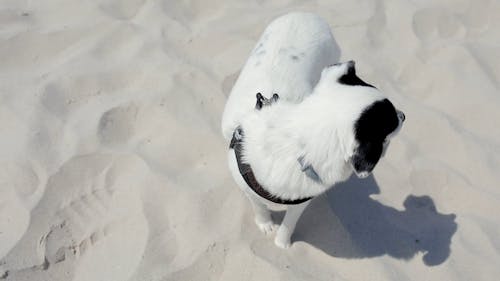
305	142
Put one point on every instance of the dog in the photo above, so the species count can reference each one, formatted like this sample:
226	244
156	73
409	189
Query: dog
320	124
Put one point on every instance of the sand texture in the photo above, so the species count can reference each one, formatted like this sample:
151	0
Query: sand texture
113	166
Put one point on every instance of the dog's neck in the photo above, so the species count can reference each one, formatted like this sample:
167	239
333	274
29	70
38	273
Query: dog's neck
290	144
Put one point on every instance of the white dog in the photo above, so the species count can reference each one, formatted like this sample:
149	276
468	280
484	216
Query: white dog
322	124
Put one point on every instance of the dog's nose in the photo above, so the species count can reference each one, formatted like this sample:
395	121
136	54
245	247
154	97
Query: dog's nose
401	116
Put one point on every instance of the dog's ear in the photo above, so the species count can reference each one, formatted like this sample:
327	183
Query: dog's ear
375	123
350	78
365	158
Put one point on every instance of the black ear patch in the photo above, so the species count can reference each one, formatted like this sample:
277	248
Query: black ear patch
350	78
375	123
366	157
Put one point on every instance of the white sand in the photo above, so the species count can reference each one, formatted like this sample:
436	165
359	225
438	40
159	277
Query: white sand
112	163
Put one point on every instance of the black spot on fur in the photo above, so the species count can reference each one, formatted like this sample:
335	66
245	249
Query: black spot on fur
259	103
351	79
375	123
262	101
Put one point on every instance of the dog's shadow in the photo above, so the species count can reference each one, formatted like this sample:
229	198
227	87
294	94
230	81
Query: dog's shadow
350	224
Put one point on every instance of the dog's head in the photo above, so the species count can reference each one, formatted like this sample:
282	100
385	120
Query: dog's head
371	122
373	130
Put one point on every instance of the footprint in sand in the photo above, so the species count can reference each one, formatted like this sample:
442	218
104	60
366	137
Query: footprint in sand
116	125
89	223
434	23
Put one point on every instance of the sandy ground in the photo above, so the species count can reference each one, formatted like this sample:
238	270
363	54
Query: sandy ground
112	162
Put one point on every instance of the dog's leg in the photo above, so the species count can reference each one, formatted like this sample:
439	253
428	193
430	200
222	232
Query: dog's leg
287	227
262	215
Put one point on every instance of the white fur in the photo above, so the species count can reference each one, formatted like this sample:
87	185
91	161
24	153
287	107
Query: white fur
272	69
320	130
313	120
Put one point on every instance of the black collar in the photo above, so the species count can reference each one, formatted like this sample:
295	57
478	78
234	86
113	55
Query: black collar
249	177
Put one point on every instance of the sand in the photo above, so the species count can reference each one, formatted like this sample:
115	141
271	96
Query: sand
113	167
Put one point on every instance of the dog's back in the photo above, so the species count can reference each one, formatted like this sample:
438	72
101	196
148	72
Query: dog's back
288	60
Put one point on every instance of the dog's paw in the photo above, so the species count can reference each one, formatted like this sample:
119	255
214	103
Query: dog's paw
266	227
282	243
